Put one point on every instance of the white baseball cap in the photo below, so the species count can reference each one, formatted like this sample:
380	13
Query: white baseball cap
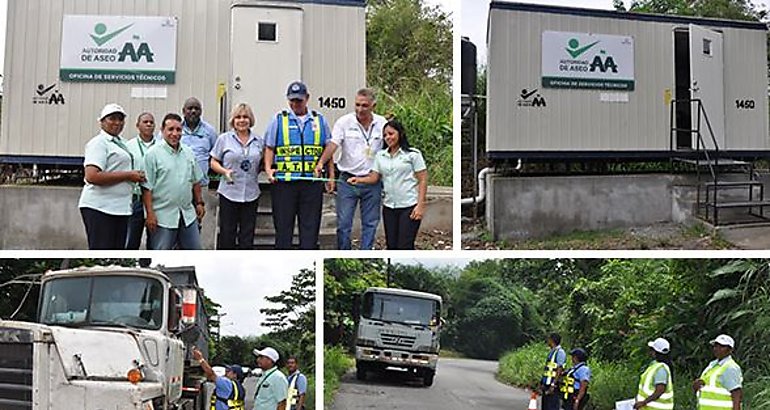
111	108
660	345
267	352
724	340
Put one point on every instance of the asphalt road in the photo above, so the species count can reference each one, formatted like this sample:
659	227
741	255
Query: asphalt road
460	384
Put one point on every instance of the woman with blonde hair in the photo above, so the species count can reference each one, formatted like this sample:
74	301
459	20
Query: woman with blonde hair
236	157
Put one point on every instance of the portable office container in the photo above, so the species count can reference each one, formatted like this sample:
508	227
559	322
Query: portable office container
571	83
65	59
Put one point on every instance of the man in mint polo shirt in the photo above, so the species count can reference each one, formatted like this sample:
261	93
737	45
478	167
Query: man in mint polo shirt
173	185
272	386
138	147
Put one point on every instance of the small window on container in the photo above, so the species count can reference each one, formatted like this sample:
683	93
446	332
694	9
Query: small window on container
266	32
706	46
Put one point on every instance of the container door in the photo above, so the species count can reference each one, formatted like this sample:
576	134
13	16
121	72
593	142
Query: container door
707	83
265	56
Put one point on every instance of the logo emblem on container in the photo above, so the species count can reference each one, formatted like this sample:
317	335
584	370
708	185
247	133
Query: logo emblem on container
526	99
101	36
575	50
42	95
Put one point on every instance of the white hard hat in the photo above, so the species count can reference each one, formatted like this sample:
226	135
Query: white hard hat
267	352
660	345
724	340
111	108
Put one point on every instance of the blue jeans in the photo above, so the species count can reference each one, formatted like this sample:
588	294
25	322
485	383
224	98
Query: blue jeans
370	196
135	225
186	237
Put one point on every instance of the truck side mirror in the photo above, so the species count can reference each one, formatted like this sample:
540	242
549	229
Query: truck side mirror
356	307
174	310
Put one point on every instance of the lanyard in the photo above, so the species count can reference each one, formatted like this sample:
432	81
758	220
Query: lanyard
140	142
119	143
367	135
246	148
263	382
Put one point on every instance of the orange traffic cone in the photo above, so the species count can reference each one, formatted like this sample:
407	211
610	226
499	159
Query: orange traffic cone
533	401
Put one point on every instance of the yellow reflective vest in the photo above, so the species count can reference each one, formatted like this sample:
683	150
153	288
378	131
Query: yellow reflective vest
234	401
647	388
713	395
297	150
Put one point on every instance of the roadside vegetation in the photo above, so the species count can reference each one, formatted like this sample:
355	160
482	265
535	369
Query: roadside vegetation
336	363
501	309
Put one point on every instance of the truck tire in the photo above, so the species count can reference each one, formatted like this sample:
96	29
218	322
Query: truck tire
427	377
360	371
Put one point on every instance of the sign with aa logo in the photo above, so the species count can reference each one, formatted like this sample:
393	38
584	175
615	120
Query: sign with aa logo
118	49
586	60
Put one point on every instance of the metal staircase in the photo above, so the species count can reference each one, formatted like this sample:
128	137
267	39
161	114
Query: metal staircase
729	192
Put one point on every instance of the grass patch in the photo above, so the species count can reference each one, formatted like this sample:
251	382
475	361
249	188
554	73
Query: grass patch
336	363
451	354
666	236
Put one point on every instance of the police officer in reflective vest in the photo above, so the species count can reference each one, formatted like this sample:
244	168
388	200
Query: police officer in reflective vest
720	384
574	384
554	367
294	140
228	392
297	385
656	385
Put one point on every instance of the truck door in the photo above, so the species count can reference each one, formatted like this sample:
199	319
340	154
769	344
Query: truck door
265	56
707	82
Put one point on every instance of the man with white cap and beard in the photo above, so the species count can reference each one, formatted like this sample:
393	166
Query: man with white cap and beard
272	387
719	386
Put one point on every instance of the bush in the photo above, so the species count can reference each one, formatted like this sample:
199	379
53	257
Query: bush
757	394
336	363
611	382
427	117
523	367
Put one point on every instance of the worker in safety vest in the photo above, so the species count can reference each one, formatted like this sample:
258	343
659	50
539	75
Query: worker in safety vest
294	142
656	385
228	392
297	385
719	386
574	384
554	367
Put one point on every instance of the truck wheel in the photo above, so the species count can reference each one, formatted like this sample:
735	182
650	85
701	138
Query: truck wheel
427	378
360	371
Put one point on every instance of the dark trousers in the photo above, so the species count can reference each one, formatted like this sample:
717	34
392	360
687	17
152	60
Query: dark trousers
236	221
551	401
104	231
135	225
400	230
297	200
569	404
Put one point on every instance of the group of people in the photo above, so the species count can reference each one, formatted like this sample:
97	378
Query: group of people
718	387
274	390
155	184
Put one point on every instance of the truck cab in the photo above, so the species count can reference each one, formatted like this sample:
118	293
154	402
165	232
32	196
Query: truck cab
398	328
106	338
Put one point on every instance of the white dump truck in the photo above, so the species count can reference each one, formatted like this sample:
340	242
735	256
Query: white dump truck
107	338
398	328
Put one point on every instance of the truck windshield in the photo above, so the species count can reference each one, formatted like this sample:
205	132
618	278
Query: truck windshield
402	309
103	300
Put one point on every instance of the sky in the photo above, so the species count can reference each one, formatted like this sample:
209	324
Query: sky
473	16
239	283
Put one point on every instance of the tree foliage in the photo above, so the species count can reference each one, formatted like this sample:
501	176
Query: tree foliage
725	9
409	63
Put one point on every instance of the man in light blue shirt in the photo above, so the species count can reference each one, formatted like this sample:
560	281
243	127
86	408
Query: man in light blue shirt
198	135
297	385
272	386
173	185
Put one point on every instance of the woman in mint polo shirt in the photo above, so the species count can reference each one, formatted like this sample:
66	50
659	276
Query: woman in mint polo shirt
110	175
404	186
